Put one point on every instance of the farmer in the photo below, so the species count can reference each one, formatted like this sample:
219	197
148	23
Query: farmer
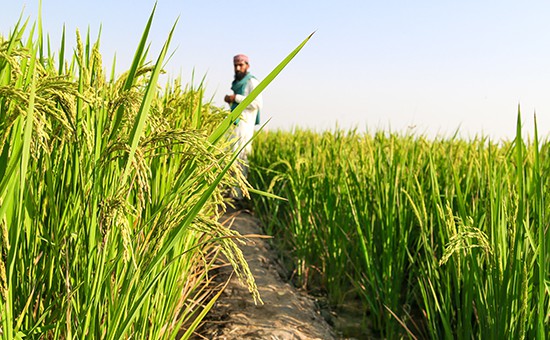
243	84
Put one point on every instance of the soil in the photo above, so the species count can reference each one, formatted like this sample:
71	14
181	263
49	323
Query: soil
286	312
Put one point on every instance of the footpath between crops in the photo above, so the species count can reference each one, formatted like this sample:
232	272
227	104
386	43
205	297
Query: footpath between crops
287	313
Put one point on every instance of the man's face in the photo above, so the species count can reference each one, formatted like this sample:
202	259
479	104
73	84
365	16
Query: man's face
241	68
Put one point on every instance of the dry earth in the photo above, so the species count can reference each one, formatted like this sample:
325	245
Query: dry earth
287	313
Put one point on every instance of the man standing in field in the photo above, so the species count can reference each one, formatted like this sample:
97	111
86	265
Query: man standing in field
243	84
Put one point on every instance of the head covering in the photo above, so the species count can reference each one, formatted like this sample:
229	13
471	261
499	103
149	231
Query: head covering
239	58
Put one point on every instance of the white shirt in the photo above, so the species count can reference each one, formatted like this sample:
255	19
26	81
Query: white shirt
244	130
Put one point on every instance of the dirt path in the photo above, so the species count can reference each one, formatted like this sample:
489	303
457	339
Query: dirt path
286	313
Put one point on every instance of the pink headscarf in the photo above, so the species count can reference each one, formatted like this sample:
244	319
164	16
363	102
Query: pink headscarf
239	58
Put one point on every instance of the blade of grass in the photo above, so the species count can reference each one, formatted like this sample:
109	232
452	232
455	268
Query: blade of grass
143	113
541	254
138	60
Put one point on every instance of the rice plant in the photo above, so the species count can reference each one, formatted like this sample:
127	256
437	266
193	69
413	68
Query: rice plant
441	238
110	194
94	242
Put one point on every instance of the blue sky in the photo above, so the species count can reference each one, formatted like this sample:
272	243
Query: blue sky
428	67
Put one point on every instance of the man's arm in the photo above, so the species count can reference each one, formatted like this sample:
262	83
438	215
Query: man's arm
230	98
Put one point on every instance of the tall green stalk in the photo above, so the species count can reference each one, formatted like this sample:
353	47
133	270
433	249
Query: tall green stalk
110	195
440	238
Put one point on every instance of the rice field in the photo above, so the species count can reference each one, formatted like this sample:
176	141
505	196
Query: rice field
111	188
438	239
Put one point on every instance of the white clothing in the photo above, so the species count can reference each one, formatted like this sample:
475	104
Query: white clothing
244	130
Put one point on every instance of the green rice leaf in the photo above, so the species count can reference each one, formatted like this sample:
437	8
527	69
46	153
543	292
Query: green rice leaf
143	113
139	56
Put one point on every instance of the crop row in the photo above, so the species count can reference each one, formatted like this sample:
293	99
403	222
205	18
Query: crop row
440	238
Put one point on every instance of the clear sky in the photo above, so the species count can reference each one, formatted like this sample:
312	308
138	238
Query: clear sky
430	67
